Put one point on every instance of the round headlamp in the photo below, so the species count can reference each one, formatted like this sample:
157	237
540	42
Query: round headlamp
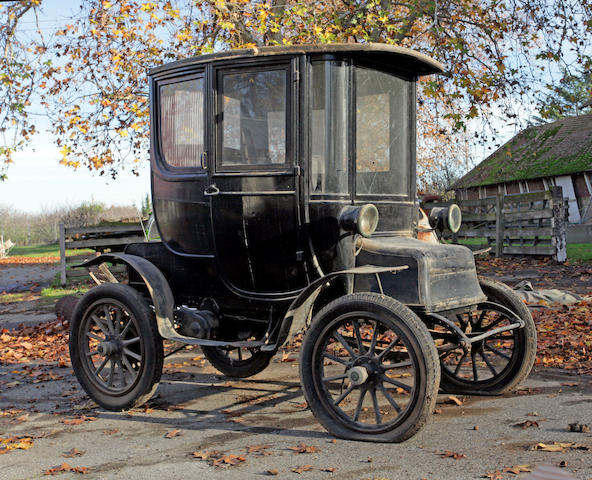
359	219
449	218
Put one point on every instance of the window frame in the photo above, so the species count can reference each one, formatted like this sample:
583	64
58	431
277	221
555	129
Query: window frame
249	67
163	163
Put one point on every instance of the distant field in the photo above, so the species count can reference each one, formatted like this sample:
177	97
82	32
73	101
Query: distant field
52	250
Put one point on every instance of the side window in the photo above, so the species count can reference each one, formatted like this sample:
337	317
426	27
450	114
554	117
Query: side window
252	108
329	128
182	123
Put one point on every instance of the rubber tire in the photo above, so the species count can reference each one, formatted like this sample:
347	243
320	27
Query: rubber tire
247	368
522	364
152	368
417	334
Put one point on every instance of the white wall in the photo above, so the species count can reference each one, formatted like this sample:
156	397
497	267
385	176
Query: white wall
569	193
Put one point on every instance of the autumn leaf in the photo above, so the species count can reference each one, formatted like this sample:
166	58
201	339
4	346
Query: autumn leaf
173	433
328	469
74	452
303	468
79	420
518	469
558	446
272	471
228	460
454	400
302	448
451	454
526	424
496	475
259	450
64	467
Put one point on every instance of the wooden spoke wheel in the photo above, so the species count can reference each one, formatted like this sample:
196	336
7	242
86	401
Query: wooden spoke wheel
115	348
238	362
497	363
369	369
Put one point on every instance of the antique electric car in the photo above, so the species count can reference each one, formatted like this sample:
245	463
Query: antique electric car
283	186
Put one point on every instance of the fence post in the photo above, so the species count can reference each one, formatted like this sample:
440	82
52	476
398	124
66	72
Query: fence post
499	225
62	254
558	237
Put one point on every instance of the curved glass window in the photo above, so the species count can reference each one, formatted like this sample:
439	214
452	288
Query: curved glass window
182	123
329	128
383	133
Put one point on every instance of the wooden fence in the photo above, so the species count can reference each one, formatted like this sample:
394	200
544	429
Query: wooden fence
521	224
112	238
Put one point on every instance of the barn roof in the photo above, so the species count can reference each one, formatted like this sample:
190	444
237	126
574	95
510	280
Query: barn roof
559	148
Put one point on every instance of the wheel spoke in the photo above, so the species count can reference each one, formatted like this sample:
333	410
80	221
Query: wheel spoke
128	365
125	329
492	325
376	408
462	359
101	366
121	374
341	340
240	354
396	383
360	403
343	395
131	340
335	358
109	320
359	337
100	324
388	348
90	354
111	373
488	363
390	399
373	342
474	364
497	352
396	365
117	320
132	354
481	317
95	337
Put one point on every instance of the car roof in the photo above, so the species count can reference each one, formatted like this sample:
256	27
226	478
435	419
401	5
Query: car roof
400	58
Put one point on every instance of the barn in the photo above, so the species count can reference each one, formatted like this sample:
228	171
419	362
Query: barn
539	157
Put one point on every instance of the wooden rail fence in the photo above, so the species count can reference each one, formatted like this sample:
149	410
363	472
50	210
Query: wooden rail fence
112	238
521	224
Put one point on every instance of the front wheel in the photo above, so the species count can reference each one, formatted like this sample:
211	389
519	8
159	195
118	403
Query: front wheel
369	369
498	363
115	348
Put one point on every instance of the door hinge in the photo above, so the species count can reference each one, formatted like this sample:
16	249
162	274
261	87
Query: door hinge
296	75
297	170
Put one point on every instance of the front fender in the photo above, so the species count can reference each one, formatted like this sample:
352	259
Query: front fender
298	315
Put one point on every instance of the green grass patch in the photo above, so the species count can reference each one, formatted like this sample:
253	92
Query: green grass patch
52	250
579	252
53	294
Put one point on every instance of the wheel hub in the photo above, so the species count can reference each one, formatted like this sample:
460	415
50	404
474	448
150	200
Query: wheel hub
358	375
109	347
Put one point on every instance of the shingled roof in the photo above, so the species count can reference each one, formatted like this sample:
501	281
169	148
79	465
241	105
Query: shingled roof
559	148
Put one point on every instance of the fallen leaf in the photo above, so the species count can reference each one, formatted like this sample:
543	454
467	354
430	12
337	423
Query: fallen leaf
497	475
518	469
559	446
228	460
111	432
526	424
303	468
64	467
454	399
570	384
328	469
173	433
451	454
578	427
273	471
258	450
302	448
73	453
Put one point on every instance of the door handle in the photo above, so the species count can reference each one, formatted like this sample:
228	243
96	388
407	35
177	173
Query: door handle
211	191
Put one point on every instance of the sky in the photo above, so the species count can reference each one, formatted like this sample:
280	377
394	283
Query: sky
36	180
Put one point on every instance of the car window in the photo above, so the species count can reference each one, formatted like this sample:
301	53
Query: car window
182	123
252	109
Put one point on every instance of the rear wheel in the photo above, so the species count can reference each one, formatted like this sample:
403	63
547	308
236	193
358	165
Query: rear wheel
238	362
115	348
498	363
369	369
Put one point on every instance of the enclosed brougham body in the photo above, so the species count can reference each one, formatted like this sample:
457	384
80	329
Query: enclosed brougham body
283	186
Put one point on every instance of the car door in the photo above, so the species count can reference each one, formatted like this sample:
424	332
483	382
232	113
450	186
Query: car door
253	191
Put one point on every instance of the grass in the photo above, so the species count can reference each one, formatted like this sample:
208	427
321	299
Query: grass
576	252
52	250
52	294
